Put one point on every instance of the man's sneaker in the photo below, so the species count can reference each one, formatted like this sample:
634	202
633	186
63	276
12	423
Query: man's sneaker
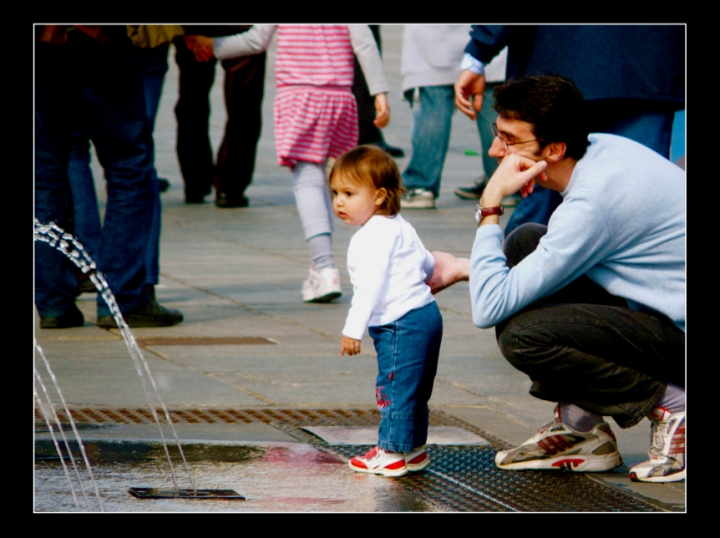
152	314
474	192
322	286
418	199
377	461
558	446
667	454
417	460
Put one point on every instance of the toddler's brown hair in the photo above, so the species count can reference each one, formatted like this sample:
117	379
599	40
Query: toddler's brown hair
370	164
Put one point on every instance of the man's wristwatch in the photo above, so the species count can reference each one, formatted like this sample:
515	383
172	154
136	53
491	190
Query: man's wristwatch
482	212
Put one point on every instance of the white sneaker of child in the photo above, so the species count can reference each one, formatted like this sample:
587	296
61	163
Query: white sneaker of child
322	286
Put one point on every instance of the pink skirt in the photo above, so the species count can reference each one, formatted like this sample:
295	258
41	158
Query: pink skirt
314	123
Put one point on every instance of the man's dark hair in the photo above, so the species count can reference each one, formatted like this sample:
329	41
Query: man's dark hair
552	104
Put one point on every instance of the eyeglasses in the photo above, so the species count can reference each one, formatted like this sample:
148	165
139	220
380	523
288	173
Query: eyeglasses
508	144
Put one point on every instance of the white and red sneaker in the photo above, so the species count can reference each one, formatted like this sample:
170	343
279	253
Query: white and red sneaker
557	446
418	459
378	461
667	453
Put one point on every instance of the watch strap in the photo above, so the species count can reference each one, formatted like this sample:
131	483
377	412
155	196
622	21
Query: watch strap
482	212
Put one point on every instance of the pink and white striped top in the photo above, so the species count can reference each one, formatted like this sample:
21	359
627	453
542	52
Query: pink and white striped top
315	113
314	55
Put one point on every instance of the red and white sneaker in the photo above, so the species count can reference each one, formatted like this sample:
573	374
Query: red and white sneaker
378	461
417	460
667	454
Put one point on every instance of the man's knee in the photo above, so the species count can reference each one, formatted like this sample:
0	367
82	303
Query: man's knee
517	341
535	342
522	241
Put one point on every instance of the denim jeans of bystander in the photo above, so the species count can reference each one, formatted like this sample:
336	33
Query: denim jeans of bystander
432	122
98	88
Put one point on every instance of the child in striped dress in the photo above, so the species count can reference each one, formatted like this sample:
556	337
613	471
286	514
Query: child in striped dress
315	117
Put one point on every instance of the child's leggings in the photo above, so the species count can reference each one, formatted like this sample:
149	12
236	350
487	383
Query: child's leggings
312	196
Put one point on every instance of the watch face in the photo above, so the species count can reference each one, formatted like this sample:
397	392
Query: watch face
477	213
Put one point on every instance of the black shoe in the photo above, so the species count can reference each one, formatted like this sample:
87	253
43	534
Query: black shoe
223	200
74	318
164	184
86	286
196	194
472	193
150	290
392	150
194	198
395	152
152	314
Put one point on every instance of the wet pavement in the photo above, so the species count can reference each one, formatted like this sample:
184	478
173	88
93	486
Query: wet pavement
251	365
279	477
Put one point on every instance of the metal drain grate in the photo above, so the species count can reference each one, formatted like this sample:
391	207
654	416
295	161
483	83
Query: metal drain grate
465	479
460	479
292	417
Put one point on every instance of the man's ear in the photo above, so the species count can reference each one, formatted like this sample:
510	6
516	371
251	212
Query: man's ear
380	196
554	151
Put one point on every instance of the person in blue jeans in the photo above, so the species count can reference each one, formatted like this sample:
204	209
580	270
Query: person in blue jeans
88	224
91	80
430	64
389	267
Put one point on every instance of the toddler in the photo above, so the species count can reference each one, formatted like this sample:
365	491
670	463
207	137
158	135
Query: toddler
315	117
389	268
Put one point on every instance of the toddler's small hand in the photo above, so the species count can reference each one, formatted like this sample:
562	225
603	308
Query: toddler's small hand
349	346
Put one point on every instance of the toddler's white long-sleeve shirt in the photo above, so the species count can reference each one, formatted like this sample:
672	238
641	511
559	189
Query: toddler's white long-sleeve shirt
389	267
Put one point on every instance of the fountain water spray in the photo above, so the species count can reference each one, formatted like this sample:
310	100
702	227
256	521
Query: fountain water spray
66	243
48	411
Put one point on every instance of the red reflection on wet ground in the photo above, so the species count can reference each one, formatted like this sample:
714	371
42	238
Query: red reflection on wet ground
299	455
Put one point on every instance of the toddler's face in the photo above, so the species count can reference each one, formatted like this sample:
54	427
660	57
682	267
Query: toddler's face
355	203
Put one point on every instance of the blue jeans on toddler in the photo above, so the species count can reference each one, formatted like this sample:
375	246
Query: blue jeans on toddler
408	351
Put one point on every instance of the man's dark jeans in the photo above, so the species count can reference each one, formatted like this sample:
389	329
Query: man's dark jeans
97	88
585	346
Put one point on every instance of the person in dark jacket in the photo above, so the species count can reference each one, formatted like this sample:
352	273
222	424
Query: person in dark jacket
632	77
